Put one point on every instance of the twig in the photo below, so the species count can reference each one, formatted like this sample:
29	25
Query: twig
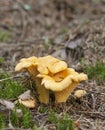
23	22
13	129
10	124
1	80
26	41
94	101
94	114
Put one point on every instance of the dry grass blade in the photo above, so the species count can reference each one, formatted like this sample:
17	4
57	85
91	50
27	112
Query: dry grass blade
1	80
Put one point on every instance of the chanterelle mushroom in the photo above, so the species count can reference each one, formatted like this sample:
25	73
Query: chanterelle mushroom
62	83
42	65
52	74
30	64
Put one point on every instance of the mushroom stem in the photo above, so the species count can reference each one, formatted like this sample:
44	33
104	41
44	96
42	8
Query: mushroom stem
32	71
63	95
43	94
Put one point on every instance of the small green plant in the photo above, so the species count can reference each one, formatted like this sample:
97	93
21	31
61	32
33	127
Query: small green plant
53	117
1	60
48	42
62	122
25	121
64	29
5	36
65	123
42	109
96	72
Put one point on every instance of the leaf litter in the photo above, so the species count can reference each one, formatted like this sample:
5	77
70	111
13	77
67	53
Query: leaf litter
82	44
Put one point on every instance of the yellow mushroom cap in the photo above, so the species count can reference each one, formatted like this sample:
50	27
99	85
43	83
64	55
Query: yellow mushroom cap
57	66
44	64
32	59
79	93
51	82
22	65
26	63
42	69
49	63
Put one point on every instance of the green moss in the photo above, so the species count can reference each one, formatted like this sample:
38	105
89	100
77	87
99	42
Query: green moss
2	121
96	72
10	88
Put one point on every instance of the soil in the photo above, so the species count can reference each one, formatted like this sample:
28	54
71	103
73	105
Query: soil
69	30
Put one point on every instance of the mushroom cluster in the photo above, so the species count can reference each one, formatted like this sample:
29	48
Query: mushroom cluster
51	74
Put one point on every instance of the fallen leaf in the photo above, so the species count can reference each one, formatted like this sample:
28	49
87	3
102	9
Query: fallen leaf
27	100
30	103
25	95
8	104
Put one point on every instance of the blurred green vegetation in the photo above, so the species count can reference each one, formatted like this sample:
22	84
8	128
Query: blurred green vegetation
62	122
96	72
5	36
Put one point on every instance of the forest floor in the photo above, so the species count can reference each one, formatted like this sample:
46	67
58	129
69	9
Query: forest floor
73	31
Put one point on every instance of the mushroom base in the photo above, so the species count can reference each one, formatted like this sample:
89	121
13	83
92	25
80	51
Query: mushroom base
62	96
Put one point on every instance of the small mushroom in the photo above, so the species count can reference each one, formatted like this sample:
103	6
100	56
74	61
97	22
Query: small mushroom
62	83
79	93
